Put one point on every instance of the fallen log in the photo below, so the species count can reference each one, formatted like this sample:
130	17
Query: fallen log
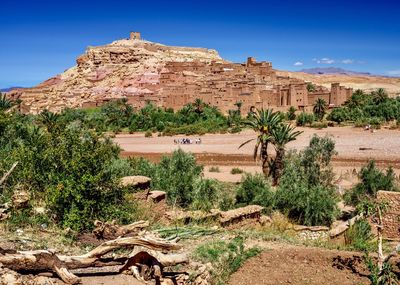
112	230
48	261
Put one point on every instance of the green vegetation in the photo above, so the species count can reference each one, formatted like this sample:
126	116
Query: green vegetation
371	181
225	257
64	166
291	113
118	116
306	193
375	109
303	119
255	190
214	169
236	170
319	108
270	129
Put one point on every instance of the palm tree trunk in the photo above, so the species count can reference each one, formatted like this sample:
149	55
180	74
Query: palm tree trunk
264	159
278	169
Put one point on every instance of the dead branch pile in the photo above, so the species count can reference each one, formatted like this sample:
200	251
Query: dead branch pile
147	260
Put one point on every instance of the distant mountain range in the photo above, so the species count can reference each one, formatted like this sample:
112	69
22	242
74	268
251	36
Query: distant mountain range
334	70
9	89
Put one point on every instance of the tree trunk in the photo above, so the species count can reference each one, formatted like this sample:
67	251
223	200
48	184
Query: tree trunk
278	166
264	158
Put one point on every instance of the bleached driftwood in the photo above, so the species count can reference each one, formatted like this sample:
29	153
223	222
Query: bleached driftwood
112	230
48	261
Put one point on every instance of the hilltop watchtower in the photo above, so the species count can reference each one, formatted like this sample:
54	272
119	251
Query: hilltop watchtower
134	36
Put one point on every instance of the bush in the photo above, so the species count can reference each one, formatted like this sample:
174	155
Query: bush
359	236
291	114
175	175
71	169
236	170
372	180
304	119
255	190
214	169
206	192
148	134
306	194
319	125
338	115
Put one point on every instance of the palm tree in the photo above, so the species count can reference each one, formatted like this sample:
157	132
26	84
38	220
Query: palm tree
239	107
357	99
379	96
262	122
49	119
281	135
198	106
320	108
5	103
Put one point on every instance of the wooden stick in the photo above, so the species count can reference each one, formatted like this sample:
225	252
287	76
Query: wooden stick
5	176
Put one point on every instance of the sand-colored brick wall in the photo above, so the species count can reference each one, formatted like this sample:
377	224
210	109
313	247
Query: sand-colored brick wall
391	219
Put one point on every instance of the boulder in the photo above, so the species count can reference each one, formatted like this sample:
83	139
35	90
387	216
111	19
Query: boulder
137	181
157	196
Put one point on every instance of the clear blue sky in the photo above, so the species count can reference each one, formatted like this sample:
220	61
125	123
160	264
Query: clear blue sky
39	39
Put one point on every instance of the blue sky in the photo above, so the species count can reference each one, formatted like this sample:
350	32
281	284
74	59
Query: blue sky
39	39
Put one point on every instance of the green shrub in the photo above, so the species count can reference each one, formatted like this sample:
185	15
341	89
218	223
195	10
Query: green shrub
148	134
372	180
214	169
319	125
236	170
206	192
338	115
359	236
291	114
225	257
304	119
255	190
306	194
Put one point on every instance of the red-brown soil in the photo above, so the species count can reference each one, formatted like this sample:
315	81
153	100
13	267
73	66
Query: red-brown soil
301	265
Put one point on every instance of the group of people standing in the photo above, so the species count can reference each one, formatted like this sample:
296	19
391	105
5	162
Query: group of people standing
187	141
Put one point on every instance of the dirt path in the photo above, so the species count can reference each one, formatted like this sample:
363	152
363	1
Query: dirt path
298	266
351	144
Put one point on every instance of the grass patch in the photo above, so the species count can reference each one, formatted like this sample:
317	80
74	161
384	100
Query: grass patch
214	169
225	257
236	170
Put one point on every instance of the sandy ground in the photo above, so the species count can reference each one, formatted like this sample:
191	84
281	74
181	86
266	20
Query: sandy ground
355	147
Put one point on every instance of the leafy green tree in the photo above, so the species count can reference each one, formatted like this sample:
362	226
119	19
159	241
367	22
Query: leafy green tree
319	108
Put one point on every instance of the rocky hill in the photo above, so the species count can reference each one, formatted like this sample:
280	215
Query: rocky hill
111	71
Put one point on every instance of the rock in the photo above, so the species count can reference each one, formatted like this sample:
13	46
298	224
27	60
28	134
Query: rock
157	196
235	216
142	182
20	199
